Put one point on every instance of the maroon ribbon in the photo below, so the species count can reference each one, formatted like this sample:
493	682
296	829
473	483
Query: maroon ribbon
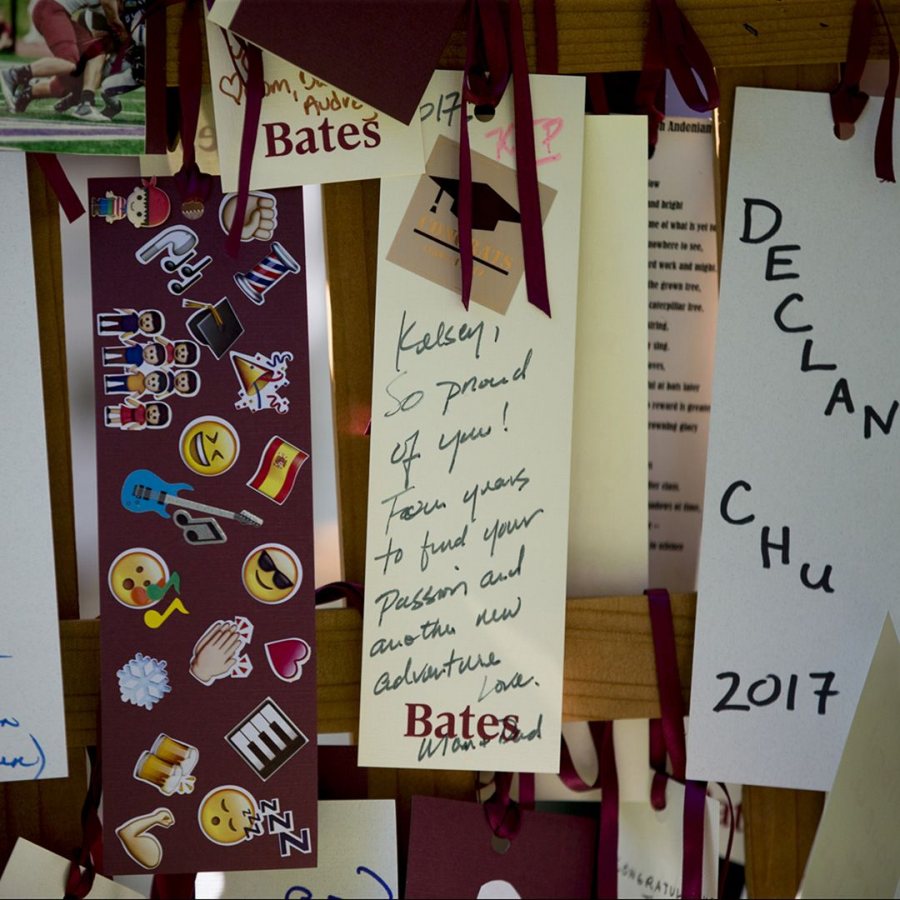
489	61
546	43
88	860
173	887
607	779
668	732
155	81
351	591
194	186
253	94
848	101
672	44
504	815
60	185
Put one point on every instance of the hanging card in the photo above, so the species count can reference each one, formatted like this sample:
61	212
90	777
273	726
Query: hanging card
651	847
357	858
470	453
48	105
452	854
205	516
32	725
363	47
683	291
34	872
856	852
798	561
608	492
309	131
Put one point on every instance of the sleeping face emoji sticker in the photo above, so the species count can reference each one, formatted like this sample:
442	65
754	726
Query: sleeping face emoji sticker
227	814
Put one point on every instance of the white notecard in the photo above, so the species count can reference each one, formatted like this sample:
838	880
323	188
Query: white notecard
798	561
32	725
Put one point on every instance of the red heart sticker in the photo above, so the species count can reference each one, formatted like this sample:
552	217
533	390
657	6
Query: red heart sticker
287	657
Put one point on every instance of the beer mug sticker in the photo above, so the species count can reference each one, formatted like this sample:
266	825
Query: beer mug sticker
168	765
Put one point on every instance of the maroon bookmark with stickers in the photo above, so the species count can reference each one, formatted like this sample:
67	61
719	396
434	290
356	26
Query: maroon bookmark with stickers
205	521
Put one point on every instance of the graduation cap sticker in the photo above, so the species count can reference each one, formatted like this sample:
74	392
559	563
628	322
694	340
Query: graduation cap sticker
214	324
427	242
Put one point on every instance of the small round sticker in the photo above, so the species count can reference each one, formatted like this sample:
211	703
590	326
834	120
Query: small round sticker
209	446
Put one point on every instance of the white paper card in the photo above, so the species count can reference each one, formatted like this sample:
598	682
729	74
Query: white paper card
357	859
33	872
309	132
608	492
856	852
683	288
32	726
651	847
798	561
470	454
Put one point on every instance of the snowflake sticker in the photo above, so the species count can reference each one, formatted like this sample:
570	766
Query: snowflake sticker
143	681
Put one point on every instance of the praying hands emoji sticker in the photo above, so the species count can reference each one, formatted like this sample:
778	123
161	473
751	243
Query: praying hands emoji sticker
144	848
219	652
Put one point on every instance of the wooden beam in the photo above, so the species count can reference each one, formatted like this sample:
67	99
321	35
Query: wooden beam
608	35
45	244
610	671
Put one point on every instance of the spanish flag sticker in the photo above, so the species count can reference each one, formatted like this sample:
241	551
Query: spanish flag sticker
277	470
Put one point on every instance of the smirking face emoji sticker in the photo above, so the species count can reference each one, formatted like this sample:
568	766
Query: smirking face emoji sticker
132	572
209	446
272	573
227	815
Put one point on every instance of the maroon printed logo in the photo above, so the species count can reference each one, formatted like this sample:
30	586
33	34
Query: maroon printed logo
423	722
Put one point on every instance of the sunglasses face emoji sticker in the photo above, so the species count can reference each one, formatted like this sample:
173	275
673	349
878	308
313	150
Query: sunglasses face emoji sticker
132	572
227	814
209	446
272	573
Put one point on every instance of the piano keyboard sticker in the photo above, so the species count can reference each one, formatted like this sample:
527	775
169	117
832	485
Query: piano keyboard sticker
266	739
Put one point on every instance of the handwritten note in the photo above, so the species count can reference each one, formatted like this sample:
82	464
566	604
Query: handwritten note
309	131
798	561
32	728
470	455
357	858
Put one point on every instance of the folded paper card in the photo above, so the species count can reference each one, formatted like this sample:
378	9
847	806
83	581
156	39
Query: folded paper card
309	132
608	493
856	852
470	452
32	726
651	847
33	872
798	561
362	47
205	520
452	853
